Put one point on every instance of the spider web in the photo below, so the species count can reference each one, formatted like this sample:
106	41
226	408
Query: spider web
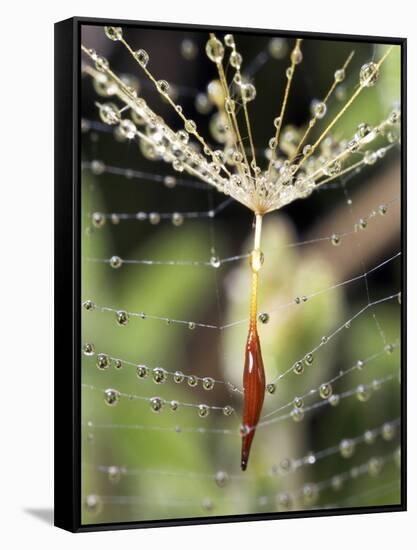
165	312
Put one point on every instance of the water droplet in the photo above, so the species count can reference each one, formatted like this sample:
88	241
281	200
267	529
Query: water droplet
109	113
248	92
101	63
174	405
307	150
142	371
369	437
221	478
183	137
369	74
318	108
310	493
188	49
114	33
353	145
235	60
118	364
203	410
296	56
93	504
162	86
85	125
142	57
310	458
297	414
297	300
270	388
324	339
208	383
383	209
298	367
339	75
304	298
159	375
103	361
114	473
98	219
192	381
364	130
392	137
115	262
277	47
332	168
177	219
277	121
88	349
229	105
284	501
190	126
111	397
214	50
154	218
263	318
370	157
207	504
229	40
363	393
215	261
346	448
389	348
127	129
335	239
375	465
244	430
337	483
286	466
288	72
388	431
360	364
308	359
298	402
156	404
325	391
334	400
89	305
115	219
122	318
395	116
170	181
227	410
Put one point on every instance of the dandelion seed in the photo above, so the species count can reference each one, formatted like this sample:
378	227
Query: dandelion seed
295	168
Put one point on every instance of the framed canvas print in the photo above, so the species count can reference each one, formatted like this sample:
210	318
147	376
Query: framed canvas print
230	274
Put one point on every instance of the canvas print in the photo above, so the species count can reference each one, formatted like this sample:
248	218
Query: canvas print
241	273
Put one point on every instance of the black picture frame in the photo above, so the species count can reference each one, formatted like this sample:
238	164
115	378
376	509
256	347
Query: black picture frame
67	278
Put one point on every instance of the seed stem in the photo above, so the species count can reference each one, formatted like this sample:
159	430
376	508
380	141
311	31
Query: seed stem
256	261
